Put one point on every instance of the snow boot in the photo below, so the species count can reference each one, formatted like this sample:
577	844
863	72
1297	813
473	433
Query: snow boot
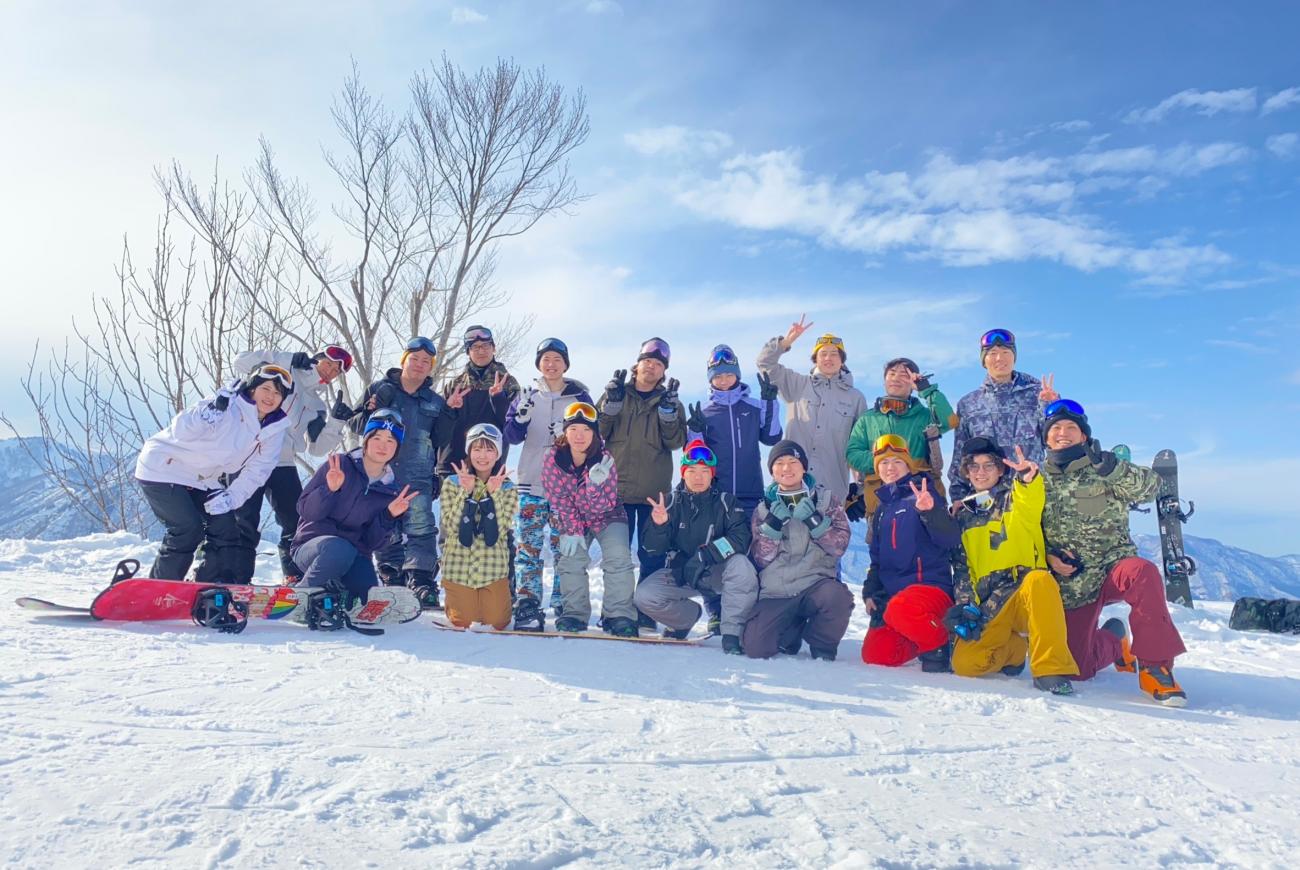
569	625
937	661
1055	685
390	575
731	645
1160	684
1126	663
528	615
713	604
1014	670
645	622
677	633
620	626
825	653
424	587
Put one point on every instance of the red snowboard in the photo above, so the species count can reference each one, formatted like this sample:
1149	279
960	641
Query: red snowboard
143	600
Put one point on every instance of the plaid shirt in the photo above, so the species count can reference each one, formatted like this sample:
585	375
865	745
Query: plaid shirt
478	565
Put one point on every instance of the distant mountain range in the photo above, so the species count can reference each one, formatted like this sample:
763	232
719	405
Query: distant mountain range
33	507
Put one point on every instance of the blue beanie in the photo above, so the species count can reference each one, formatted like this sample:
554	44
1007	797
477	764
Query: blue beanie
723	361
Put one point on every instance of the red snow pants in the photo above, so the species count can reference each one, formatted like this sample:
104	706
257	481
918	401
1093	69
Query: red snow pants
1155	639
913	625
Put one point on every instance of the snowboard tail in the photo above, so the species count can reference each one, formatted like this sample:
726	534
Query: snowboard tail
1178	567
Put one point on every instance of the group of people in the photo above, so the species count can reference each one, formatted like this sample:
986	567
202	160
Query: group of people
1007	566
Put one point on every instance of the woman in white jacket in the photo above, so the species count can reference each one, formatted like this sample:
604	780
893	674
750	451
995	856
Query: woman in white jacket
208	461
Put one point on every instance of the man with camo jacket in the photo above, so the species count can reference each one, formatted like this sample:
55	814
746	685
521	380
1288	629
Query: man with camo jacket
1085	522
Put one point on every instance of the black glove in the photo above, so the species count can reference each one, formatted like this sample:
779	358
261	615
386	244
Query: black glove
670	393
341	411
766	389
385	394
922	382
616	389
301	360
964	620
1102	460
316	426
696	422
855	506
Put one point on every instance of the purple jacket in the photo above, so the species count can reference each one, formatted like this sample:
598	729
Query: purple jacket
357	513
910	547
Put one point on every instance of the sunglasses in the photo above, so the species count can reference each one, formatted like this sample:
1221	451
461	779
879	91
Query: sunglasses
700	455
579	410
889	443
272	372
1069	406
338	355
478	333
994	337
891	405
723	356
422	343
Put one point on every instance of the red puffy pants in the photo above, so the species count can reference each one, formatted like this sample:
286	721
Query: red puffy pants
913	625
1155	638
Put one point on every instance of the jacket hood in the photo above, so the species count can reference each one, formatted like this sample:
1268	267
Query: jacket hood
395	375
386	479
843	378
572	386
729	397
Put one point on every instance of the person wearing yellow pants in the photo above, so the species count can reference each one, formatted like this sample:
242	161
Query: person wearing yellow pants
1007	609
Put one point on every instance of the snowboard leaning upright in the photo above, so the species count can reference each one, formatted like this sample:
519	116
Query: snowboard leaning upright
1178	566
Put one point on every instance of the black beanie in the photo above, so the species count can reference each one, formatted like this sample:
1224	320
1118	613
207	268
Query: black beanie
979	445
1063	413
786	447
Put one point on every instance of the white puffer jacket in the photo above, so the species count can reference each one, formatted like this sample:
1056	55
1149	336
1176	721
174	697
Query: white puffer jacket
202	444
308	404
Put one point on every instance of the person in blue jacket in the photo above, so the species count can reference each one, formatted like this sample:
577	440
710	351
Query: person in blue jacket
909	585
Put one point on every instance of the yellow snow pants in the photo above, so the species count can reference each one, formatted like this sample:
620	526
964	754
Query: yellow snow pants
1034	610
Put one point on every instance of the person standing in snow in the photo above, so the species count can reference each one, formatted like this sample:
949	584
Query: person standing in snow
478	507
1007	606
481	393
800	532
823	405
1005	409
534	420
641	423
1089	549
920	422
704	535
208	461
909	585
312	428
581	482
411	556
348	508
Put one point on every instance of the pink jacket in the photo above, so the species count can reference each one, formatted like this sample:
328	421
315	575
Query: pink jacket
579	506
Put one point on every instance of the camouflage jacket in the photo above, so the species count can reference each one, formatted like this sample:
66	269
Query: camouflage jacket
1087	514
1007	414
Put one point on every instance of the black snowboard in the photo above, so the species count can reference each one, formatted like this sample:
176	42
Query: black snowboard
1178	566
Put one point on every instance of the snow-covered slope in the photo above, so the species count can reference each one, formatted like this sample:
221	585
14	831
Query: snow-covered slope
167	746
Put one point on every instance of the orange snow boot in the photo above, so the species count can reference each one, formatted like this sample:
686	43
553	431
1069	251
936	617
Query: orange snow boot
1127	662
1160	684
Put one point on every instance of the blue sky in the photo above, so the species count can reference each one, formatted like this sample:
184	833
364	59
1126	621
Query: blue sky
1114	182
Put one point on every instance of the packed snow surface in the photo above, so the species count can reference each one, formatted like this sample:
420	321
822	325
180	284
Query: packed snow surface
166	745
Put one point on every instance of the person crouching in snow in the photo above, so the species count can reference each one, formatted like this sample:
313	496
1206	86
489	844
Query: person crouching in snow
478	507
909	585
581	483
1007	604
705	535
1085	521
800	532
349	509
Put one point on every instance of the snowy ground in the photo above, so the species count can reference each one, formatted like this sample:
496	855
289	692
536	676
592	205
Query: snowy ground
166	745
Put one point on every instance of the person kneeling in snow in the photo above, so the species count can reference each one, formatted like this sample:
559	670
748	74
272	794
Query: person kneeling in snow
349	509
1085	521
705	535
1006	592
478	508
909	584
800	533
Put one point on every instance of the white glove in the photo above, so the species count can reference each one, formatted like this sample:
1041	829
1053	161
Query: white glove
219	502
571	544
600	473
524	410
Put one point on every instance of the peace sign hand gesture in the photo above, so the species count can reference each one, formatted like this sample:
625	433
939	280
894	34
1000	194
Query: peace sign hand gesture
658	510
398	506
457	397
464	475
924	498
796	329
1026	469
334	477
495	481
498	384
1048	392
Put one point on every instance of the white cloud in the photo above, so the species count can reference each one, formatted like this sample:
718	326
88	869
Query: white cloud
1201	102
1076	126
1281	100
677	141
1283	145
465	15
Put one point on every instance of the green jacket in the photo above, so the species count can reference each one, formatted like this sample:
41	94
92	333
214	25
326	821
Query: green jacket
642	442
911	425
1087	514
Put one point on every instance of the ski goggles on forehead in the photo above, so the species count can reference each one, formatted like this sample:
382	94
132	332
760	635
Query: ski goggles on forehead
422	343
338	355
272	372
829	340
483	430
723	356
700	455
553	344
995	337
1068	406
478	333
656	345
890	444
891	405
580	410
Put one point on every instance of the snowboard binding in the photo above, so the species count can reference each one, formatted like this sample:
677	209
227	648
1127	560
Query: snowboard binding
125	570
216	608
327	611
